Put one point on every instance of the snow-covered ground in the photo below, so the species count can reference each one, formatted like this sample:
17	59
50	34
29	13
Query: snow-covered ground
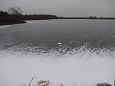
82	69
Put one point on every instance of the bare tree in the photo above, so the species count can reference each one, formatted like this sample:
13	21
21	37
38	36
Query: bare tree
15	11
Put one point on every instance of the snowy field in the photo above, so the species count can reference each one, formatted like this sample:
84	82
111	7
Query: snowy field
81	69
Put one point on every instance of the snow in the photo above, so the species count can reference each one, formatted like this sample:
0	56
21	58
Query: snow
81	69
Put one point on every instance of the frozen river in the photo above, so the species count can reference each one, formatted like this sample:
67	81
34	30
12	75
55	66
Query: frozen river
69	52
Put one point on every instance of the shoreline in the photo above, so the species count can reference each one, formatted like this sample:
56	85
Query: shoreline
11	23
25	21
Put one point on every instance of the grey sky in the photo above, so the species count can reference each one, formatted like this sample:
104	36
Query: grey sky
63	7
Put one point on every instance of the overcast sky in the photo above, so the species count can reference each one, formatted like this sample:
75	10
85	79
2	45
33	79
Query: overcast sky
63	7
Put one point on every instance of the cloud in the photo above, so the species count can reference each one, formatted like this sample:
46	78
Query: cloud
64	7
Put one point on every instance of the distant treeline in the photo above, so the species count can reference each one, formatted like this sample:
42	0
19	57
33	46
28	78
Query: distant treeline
89	17
39	17
15	16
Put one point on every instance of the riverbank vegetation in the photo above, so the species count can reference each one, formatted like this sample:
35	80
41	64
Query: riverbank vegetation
13	16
